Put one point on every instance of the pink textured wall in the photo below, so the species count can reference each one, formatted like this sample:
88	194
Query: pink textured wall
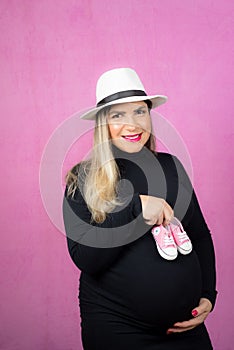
52	52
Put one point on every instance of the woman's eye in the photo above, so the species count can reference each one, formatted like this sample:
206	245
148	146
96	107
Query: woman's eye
115	116
141	111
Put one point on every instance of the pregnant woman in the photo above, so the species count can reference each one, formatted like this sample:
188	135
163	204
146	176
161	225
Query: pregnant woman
131	296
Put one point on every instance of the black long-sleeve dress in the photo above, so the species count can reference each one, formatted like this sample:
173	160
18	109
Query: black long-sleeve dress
129	295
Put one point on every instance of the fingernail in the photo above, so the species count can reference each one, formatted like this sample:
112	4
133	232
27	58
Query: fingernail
194	313
169	332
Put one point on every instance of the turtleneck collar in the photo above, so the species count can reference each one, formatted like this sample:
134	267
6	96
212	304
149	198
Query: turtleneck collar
118	153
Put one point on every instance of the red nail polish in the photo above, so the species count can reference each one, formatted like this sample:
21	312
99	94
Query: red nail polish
194	313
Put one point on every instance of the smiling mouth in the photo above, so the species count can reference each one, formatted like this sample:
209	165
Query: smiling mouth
132	138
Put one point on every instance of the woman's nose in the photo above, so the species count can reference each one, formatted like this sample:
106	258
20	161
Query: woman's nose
131	123
130	127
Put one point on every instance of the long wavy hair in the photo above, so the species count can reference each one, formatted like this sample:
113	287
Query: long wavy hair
97	178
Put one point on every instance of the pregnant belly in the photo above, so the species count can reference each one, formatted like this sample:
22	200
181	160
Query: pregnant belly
159	292
169	293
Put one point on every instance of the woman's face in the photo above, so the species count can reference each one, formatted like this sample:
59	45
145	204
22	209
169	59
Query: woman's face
129	125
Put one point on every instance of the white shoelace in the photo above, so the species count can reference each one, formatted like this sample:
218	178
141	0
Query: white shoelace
182	236
168	240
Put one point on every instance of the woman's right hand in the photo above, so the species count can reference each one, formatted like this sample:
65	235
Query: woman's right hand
156	211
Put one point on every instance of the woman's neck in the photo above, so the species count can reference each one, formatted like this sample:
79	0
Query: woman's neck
117	152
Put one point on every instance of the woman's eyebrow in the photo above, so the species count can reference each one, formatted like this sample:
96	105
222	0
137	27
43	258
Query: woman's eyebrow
142	107
122	112
117	112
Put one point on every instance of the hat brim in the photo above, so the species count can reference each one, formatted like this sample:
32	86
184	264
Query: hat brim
156	100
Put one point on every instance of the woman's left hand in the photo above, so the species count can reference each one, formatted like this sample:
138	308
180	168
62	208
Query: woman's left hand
199	313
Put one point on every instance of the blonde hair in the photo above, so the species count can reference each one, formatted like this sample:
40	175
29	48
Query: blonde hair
97	178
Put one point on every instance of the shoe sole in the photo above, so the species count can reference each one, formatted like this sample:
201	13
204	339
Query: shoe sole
184	252
164	255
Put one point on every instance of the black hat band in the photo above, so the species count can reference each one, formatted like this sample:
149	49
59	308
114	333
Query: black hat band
121	94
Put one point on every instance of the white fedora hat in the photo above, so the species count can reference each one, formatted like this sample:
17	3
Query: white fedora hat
120	85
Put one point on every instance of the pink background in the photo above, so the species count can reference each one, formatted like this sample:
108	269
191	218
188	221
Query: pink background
52	53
